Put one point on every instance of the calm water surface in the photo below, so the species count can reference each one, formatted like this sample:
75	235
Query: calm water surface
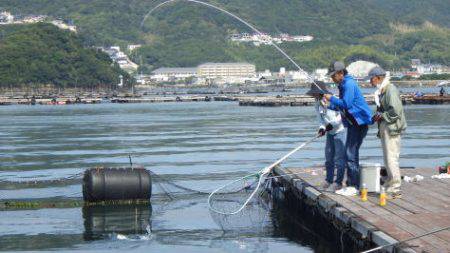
198	145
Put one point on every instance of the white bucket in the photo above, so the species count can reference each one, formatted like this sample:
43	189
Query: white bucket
370	176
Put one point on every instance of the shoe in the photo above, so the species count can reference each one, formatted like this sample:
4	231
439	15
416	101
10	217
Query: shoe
325	185
335	187
347	191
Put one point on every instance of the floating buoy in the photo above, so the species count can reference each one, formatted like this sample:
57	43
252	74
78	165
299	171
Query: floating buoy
112	184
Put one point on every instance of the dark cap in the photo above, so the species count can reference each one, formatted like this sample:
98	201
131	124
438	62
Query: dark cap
318	88
335	67
376	71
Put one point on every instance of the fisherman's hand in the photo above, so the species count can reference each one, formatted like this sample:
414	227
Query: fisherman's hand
321	132
327	96
377	117
329	127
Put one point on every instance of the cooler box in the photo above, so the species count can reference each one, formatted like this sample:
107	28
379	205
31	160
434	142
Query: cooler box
370	176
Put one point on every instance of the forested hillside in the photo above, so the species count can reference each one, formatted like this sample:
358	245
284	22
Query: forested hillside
42	54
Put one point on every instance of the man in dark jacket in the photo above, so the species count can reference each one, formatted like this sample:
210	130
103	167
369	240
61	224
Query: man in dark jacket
357	117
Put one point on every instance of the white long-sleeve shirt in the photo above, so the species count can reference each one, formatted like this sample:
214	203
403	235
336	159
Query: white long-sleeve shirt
327	116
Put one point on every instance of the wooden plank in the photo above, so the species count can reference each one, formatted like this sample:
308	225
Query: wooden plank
391	222
423	208
383	223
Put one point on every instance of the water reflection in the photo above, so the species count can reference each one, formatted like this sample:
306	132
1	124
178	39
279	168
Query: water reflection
103	220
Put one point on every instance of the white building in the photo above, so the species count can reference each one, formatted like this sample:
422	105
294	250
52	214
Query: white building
303	38
321	75
225	70
426	69
172	74
131	48
266	39
6	17
264	74
300	76
62	25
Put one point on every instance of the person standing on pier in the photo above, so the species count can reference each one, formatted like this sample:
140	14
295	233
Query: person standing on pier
391	121
330	125
357	118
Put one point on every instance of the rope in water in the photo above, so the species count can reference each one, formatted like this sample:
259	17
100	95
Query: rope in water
262	175
407	240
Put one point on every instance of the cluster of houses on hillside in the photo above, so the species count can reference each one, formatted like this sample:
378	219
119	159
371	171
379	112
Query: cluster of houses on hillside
266	39
6	18
419	69
121	58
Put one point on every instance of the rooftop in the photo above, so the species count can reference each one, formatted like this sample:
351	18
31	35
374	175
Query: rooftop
224	63
174	70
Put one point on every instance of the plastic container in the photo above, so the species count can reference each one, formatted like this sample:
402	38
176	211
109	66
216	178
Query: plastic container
364	193
370	176
103	184
382	197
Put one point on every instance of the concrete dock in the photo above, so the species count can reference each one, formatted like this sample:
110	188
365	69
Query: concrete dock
424	207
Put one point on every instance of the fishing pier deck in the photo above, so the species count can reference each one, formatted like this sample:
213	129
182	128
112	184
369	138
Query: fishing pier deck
424	207
304	100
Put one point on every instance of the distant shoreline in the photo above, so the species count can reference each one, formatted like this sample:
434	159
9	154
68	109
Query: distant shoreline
264	100
54	91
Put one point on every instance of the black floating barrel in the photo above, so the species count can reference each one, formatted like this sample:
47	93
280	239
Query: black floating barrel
104	184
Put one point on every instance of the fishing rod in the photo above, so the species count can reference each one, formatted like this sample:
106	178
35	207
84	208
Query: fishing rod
266	170
252	27
407	240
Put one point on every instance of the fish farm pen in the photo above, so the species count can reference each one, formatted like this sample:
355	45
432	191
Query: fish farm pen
242	99
364	225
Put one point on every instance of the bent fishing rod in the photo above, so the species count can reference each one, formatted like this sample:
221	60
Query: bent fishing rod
252	27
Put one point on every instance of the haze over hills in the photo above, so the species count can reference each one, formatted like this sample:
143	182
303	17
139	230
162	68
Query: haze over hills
389	32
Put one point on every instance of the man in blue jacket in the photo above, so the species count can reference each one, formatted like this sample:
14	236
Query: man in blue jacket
357	117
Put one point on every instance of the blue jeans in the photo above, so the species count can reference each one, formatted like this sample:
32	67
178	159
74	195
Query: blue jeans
335	157
355	137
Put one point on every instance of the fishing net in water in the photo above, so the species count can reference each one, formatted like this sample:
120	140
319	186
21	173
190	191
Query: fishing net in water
238	206
166	189
241	206
234	196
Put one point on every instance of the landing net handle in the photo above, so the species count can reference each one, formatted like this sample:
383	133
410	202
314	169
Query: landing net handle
261	174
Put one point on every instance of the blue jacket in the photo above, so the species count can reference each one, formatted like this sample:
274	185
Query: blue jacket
351	103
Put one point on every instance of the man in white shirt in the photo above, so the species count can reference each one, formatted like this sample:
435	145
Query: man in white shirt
330	125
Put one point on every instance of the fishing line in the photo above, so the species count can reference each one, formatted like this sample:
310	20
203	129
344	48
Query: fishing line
310	78
264	172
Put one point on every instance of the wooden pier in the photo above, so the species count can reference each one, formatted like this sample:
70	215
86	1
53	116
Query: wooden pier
161	99
424	207
242	99
305	100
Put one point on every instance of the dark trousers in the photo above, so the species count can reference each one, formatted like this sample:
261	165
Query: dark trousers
355	137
